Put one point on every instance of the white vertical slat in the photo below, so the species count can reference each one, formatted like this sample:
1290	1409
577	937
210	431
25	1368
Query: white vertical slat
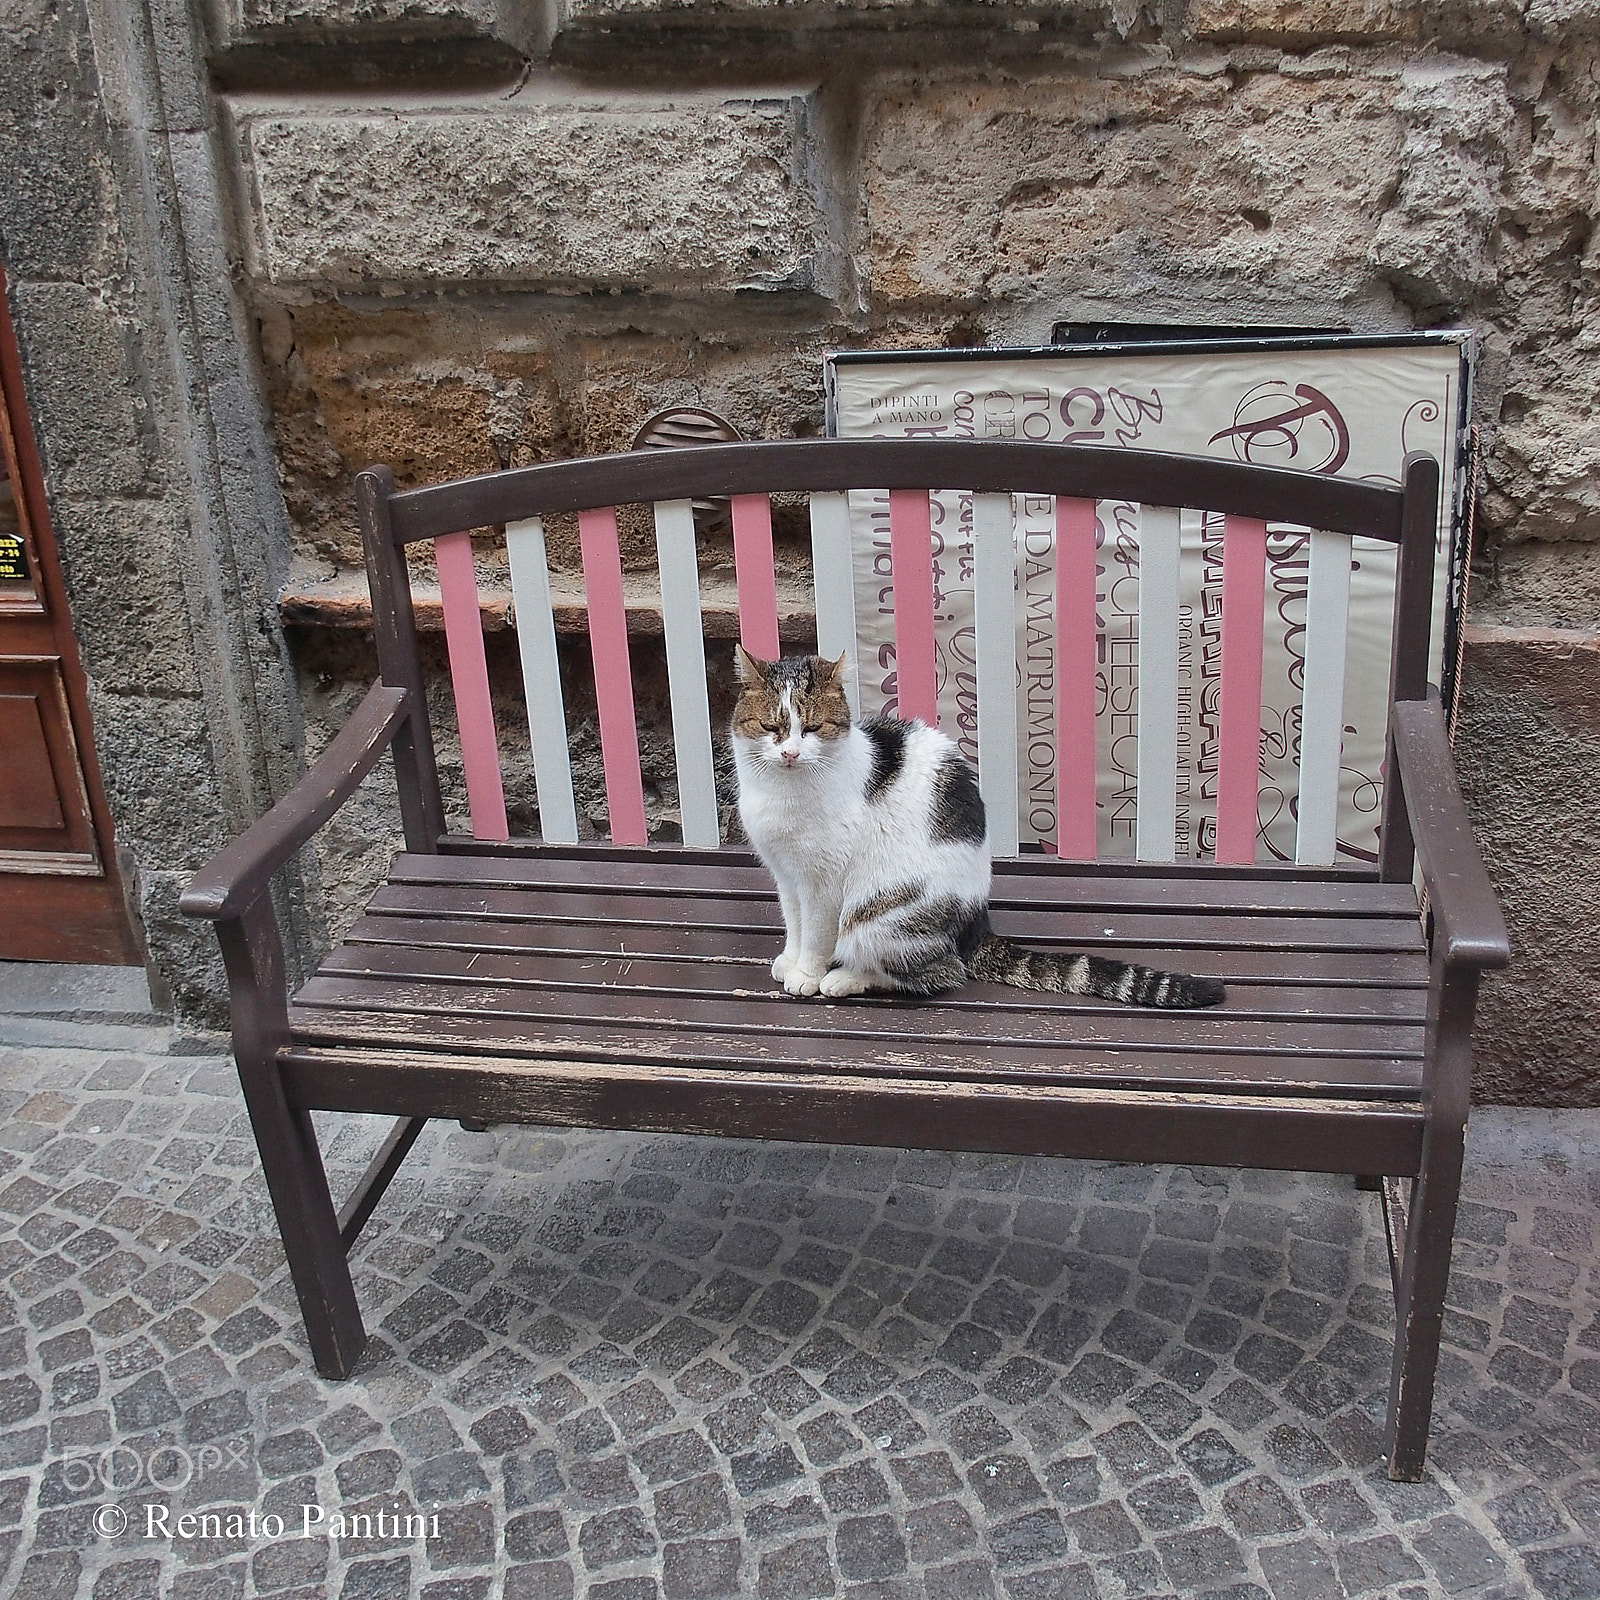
541	680
686	672
1159	547
994	603
835	584
1322	707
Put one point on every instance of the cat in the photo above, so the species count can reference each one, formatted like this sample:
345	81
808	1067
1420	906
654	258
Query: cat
876	836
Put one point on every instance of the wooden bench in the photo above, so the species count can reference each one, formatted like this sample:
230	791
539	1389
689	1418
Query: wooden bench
616	985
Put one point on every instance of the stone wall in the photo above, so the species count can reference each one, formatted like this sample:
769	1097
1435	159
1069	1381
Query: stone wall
470	233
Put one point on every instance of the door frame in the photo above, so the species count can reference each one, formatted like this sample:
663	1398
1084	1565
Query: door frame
118	942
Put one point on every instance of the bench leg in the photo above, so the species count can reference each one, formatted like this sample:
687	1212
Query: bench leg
309	1226
1419	1308
253	954
1423	1244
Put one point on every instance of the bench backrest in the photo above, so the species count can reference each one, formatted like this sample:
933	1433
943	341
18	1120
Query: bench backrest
1246	497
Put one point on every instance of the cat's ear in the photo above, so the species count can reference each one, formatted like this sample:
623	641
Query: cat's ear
827	671
749	668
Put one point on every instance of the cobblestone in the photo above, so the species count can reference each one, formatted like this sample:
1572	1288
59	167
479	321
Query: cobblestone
635	1368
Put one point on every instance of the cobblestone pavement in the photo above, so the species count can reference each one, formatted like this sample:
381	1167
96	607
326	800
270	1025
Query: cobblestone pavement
643	1368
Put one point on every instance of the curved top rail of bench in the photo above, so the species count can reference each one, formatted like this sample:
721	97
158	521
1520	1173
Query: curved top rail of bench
1339	505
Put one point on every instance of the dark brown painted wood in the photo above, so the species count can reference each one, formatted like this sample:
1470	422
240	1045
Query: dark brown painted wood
1030	863
885	1035
252	953
1469	929
754	950
394	633
1093	1124
680	874
1424	1259
1408	661
370	1187
514	1039
1068	928
233	880
1340	505
669	972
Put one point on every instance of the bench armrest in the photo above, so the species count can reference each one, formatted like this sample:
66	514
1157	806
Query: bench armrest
233	880
1466	914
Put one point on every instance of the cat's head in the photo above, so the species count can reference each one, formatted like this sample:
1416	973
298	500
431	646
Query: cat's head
792	712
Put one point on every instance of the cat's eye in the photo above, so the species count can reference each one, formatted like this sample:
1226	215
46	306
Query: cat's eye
811	727
772	727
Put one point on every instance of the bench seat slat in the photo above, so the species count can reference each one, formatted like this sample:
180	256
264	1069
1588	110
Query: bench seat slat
679	877
1099	1123
403	978
669	970
1048	928
1314	969
1031	863
420	1020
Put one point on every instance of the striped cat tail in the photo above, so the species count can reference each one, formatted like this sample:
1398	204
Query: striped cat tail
998	960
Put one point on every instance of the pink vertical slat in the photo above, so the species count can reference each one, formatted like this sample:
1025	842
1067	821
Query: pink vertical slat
1244	576
911	558
469	677
756	575
613	677
1075	679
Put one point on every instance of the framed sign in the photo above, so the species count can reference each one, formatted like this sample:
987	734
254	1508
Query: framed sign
1341	404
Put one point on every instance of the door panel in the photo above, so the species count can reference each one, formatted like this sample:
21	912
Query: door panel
28	799
44	810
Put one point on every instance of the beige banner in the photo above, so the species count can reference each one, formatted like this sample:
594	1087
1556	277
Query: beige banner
1353	411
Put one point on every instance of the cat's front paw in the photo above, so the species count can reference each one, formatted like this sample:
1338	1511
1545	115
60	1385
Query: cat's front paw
841	981
801	982
783	965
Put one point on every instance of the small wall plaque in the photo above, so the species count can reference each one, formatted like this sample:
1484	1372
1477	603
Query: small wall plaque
13	561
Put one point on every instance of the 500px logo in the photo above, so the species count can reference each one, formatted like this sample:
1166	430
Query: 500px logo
164	1466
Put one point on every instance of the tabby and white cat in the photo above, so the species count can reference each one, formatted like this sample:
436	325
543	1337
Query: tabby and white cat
877	839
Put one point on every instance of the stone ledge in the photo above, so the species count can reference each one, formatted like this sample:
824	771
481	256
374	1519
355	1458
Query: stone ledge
693	194
454	23
344	603
1559	665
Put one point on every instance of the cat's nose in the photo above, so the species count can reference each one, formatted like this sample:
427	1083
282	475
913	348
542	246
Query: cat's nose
790	757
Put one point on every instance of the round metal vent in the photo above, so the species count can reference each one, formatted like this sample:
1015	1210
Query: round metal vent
683	426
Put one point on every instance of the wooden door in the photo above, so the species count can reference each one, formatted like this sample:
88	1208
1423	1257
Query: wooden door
60	895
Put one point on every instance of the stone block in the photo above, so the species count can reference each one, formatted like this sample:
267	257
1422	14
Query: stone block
584	28
1164	190
692	194
1299	23
282	42
178	821
432	18
121	565
90	416
1528	752
1543	474
57	208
